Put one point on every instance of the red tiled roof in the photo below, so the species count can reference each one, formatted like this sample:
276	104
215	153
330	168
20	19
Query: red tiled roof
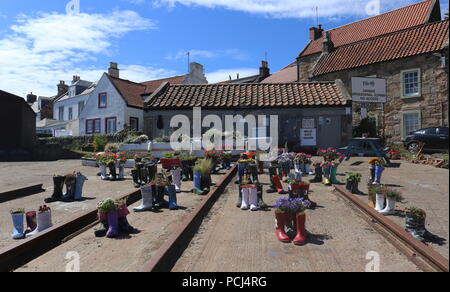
410	42
153	85
130	91
285	75
249	95
385	23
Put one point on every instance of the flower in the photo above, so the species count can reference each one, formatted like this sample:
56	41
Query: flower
287	205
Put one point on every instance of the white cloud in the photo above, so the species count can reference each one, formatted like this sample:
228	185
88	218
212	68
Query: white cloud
206	54
292	8
224	74
40	50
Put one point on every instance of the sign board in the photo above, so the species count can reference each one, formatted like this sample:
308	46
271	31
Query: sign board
308	137
369	90
309	123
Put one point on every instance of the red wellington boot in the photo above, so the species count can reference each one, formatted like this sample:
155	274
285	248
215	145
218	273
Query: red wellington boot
302	234
278	185
281	220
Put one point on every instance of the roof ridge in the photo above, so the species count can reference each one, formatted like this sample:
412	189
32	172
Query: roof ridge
375	16
393	33
161	79
126	80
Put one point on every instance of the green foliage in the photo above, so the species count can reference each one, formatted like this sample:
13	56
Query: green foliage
368	125
204	166
353	176
391	194
108	205
99	143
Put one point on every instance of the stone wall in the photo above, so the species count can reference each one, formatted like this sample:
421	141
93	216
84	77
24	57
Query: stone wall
433	103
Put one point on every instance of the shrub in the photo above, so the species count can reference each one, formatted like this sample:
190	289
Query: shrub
112	147
99	143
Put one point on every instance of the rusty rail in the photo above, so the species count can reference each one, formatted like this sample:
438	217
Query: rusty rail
429	255
20	193
26	250
168	254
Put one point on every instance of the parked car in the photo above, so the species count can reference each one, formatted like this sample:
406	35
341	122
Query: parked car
435	139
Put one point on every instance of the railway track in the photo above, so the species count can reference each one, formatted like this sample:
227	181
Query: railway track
343	232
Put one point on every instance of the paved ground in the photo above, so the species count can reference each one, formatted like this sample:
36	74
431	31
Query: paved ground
127	254
14	175
231	240
422	186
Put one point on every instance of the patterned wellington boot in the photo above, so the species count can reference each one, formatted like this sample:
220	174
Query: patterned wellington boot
70	183
176	178
44	222
415	225
31	221
198	183
18	231
281	220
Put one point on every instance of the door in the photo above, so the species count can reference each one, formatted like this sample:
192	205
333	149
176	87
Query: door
329	131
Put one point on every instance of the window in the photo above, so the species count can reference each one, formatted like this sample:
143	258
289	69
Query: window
134	124
70	114
61	113
111	125
411	83
93	126
411	122
80	107
102	100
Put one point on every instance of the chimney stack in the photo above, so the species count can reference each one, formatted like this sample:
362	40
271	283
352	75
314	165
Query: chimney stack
62	88
31	98
264	70
113	70
327	46
75	78
315	33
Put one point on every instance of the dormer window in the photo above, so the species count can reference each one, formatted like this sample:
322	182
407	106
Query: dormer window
72	91
102	100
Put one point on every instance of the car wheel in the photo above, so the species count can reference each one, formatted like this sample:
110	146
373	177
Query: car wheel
413	148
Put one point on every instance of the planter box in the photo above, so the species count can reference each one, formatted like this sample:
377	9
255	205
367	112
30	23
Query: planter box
92	163
89	162
136	147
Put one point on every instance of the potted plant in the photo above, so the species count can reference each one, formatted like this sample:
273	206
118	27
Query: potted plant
285	162
373	190
415	223
170	160
377	167
121	160
18	220
226	159
108	208
286	211
353	179
202	176
392	197
102	161
214	156
44	220
302	163
187	165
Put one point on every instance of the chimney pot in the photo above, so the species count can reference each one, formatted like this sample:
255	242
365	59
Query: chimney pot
315	33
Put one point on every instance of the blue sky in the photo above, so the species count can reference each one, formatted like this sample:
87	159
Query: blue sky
41	44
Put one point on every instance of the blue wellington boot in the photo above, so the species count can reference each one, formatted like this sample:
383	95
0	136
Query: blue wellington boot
172	193
18	231
79	183
378	172
198	183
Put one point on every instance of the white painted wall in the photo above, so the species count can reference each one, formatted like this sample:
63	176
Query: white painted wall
69	103
116	107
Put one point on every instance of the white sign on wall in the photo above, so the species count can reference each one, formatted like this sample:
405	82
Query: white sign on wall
309	123
369	90
308	137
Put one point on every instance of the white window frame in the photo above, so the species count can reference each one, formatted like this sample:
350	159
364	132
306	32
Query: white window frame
61	113
410	112
402	81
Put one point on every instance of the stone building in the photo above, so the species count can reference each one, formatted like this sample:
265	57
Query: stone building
408	47
321	109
